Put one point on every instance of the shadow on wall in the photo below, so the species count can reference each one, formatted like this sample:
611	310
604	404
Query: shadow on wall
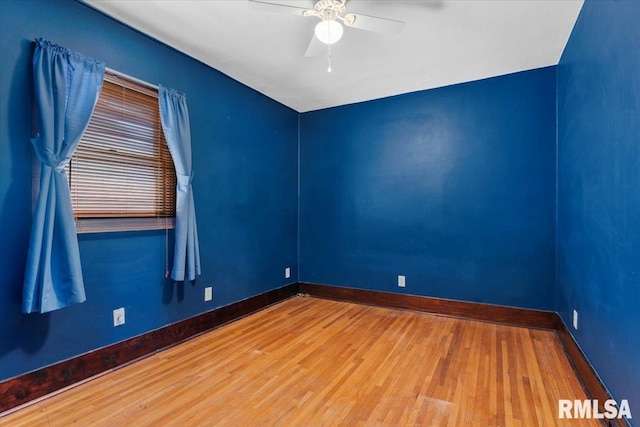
169	285
27	332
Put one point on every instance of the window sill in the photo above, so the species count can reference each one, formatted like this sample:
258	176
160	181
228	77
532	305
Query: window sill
110	225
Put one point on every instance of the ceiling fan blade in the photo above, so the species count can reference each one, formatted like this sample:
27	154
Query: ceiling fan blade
281	7
373	23
315	48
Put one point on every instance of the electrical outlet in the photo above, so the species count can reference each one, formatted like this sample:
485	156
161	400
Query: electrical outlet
575	319
208	293
401	281
118	316
287	273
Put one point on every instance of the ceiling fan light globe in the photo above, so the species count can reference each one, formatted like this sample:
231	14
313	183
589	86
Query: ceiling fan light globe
329	31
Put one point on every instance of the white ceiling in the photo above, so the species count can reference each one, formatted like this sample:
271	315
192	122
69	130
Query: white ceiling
443	42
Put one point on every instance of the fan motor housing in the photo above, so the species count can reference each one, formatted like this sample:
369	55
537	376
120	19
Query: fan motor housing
330	7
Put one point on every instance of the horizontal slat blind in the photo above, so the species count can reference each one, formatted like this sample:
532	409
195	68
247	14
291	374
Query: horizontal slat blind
122	167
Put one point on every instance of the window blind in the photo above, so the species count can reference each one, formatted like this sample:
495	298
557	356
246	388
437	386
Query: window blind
122	167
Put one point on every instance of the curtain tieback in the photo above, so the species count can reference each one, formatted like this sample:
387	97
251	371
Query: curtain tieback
48	159
184	180
59	167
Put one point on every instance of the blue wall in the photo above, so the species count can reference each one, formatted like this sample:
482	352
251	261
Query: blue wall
245	164
453	188
599	191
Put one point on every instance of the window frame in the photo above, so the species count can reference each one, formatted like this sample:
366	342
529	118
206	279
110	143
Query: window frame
126	223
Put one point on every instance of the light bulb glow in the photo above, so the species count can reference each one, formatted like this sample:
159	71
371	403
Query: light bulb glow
329	31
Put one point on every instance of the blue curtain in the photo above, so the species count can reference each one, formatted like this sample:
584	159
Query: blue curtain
175	124
66	89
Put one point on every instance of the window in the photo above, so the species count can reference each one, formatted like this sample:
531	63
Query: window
122	176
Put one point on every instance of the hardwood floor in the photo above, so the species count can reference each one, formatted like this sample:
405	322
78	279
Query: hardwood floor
310	362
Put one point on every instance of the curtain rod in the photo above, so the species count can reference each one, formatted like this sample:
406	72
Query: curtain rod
128	77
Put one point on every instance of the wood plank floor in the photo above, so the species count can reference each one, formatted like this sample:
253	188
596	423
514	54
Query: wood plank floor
314	362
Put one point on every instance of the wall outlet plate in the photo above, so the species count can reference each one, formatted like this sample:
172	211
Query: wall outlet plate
287	272
118	316
401	281
208	293
575	320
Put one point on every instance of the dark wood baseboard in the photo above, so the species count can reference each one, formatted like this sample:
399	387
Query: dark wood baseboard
590	380
477	311
470	310
33	385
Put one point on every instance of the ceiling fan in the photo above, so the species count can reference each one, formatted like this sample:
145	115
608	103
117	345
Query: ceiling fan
332	14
